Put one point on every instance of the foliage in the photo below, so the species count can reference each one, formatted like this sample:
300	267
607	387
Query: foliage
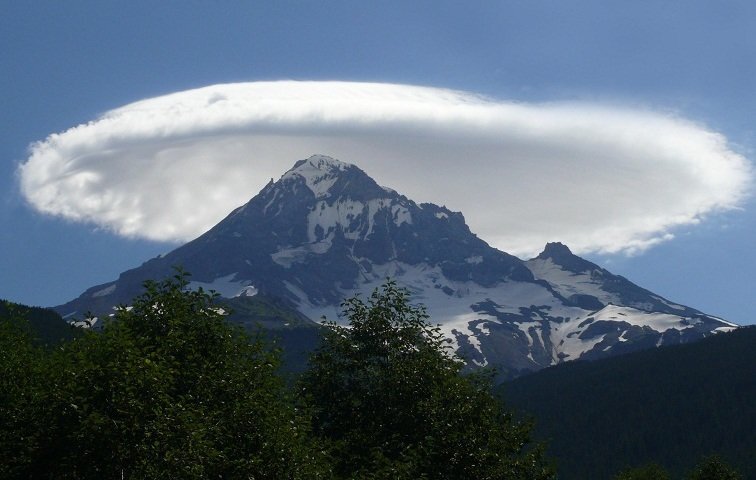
714	468
391	401
167	390
293	333
23	375
44	326
670	406
709	468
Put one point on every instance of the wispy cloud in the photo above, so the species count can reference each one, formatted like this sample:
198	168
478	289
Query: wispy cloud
599	178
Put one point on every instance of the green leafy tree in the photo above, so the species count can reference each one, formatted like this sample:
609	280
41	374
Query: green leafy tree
714	468
167	390
391	401
23	379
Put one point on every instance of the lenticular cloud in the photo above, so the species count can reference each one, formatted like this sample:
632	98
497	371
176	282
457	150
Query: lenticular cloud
596	177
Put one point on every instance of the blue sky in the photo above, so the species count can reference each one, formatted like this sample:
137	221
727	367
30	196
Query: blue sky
67	63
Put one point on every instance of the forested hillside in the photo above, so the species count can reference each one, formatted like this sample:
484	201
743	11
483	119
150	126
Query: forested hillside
670	406
46	326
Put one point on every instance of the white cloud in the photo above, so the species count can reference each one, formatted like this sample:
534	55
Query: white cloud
598	178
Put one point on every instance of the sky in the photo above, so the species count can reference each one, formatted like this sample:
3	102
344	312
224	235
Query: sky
623	129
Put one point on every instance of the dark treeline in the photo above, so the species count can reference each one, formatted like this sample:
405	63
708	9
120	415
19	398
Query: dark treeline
669	407
43	326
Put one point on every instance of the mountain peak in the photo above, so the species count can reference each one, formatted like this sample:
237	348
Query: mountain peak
319	173
327	177
555	250
326	231
560	254
317	162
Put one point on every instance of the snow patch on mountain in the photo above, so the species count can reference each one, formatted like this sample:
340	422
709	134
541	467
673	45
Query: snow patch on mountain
355	218
319	173
726	328
451	304
288	256
671	305
465	324
105	291
574	346
227	286
569	283
324	218
272	201
660	322
460	307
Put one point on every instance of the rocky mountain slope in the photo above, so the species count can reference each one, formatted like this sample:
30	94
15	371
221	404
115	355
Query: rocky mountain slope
326	230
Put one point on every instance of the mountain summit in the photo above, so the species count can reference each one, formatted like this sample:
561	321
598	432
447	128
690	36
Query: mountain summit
327	177
326	230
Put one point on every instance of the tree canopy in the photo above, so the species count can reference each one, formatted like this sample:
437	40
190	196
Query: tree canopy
711	467
390	398
167	390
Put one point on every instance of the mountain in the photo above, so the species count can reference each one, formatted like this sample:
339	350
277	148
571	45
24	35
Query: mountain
671	406
326	230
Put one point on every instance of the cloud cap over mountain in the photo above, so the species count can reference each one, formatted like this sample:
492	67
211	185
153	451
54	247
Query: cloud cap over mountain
597	177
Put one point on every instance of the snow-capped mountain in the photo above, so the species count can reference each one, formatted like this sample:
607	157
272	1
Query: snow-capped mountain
325	230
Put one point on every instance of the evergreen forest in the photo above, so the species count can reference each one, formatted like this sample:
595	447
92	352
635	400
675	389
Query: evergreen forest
668	406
